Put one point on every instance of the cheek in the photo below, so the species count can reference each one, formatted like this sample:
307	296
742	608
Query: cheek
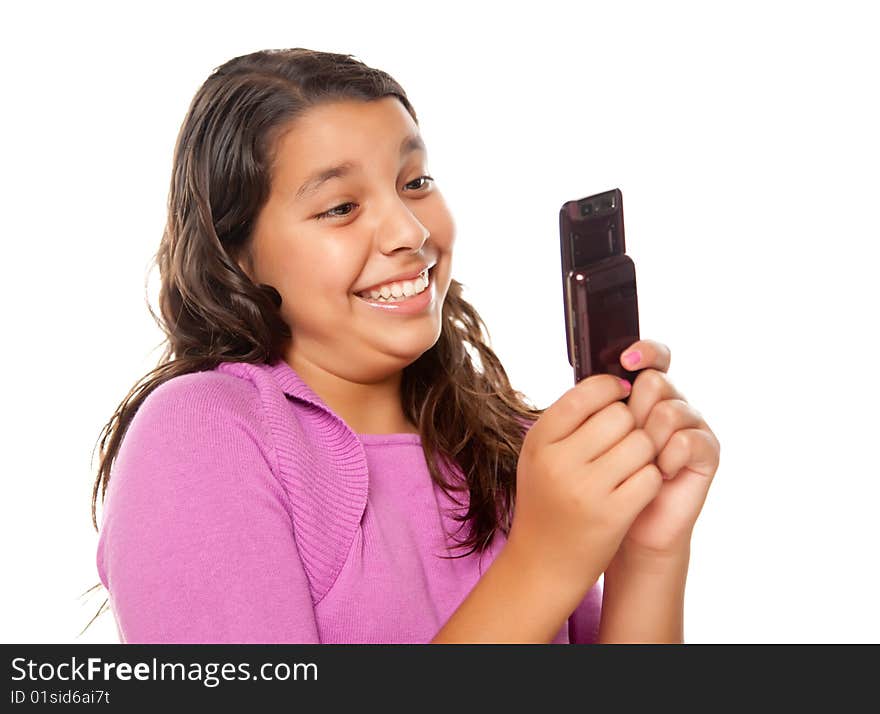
443	224
316	282
307	263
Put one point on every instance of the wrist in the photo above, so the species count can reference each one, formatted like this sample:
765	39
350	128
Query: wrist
560	580
631	557
643	596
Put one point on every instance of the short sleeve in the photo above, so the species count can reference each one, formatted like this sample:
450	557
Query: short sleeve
583	624
197	540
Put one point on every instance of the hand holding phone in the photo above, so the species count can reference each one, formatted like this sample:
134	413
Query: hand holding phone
584	474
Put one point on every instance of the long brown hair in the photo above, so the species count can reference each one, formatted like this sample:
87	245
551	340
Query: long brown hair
211	312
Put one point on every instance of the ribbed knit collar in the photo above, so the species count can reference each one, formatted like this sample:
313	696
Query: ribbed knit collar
291	383
321	463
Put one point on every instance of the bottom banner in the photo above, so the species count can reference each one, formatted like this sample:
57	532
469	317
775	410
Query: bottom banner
416	676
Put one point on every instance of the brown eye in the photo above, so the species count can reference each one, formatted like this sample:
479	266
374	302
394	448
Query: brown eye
419	179
331	214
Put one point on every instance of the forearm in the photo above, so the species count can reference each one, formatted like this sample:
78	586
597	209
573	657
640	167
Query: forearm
513	602
643	599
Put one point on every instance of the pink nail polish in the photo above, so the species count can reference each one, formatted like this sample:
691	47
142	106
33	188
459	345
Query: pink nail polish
626	385
632	358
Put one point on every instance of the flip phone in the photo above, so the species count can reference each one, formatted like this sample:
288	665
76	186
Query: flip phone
599	286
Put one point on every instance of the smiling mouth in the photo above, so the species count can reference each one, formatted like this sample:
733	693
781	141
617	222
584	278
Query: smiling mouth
429	276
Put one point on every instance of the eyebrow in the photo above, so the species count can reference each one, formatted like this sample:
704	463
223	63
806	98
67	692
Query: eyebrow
410	143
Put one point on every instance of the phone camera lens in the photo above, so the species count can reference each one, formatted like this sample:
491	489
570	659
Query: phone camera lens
586	209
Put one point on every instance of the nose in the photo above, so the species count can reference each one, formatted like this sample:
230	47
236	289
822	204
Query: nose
401	229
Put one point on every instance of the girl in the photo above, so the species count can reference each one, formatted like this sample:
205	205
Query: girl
316	437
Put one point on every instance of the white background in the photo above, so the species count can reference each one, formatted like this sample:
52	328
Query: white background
744	137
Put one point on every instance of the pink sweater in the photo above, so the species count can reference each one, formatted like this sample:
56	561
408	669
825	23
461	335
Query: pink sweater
241	509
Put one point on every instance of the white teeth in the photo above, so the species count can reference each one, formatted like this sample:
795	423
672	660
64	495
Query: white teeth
393	291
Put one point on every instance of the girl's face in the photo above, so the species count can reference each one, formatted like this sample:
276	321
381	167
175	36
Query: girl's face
368	223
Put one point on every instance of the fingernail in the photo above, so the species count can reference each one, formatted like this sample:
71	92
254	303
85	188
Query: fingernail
631	359
626	385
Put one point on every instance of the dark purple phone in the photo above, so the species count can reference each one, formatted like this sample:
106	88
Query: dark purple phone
599	286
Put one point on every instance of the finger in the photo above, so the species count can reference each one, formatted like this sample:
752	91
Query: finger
577	405
625	458
652	354
602	431
695	449
637	491
669	416
650	387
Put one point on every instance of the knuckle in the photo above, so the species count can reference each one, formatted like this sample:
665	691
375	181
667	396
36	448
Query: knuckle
683	439
649	480
622	414
645	443
575	403
650	379
666	411
654	477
